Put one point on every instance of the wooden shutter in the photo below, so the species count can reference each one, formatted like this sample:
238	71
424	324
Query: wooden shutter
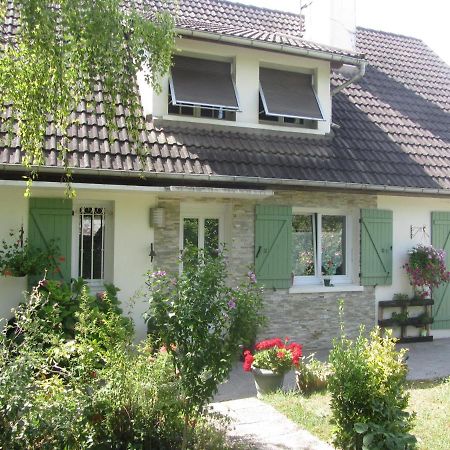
376	247
51	218
440	239
273	237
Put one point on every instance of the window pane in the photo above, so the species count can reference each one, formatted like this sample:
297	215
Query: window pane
303	245
85	244
99	236
92	243
333	245
211	236
190	232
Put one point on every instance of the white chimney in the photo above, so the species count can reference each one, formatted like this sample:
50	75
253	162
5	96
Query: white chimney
331	22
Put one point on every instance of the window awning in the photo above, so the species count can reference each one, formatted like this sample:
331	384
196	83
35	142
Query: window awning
288	94
200	82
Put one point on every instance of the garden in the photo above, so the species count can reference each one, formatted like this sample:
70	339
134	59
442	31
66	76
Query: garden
71	376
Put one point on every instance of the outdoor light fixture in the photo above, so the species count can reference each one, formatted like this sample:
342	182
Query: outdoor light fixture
157	217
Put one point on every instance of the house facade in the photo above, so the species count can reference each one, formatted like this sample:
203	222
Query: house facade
308	161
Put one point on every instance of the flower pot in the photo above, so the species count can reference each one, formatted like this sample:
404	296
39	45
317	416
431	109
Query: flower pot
267	381
327	281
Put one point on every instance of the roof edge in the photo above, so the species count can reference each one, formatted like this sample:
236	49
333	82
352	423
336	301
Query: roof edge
373	188
283	48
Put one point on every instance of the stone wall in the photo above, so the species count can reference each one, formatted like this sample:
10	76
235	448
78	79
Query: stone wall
312	319
167	243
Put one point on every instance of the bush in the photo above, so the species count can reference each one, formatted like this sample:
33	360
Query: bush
312	375
201	322
92	389
368	397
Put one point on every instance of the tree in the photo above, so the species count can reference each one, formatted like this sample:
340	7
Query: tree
61	51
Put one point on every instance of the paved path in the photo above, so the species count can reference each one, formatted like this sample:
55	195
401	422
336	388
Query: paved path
262	427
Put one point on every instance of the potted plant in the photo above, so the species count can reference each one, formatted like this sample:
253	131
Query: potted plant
271	360
18	258
330	266
426	269
312	375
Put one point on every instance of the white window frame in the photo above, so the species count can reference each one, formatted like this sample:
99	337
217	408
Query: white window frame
201	213
95	285
317	279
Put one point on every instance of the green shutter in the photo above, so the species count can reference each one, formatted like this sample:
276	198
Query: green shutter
376	247
51	218
440	239
273	237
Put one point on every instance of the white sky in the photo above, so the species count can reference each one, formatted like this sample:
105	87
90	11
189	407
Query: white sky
424	19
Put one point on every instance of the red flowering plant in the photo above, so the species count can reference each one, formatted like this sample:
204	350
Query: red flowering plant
274	354
426	269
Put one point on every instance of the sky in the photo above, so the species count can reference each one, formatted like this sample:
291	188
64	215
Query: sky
427	20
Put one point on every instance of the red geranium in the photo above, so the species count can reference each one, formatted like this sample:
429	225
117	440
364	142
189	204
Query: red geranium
248	361
273	354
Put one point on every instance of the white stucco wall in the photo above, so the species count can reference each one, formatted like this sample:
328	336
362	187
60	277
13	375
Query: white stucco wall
247	63
14	213
132	236
407	212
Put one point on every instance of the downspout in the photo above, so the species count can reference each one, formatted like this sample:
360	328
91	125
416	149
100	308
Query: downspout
362	70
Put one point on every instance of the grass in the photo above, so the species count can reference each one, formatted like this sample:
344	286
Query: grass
430	400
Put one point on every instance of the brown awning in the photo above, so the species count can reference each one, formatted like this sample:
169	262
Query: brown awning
288	94
201	82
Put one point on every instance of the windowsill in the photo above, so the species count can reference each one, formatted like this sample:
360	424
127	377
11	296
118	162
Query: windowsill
311	289
244	125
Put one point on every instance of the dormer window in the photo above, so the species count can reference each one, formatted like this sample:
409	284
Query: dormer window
202	88
288	98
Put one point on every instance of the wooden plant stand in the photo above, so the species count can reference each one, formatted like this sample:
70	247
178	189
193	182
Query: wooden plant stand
416	321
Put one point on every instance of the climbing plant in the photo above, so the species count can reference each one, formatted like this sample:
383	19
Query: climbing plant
61	52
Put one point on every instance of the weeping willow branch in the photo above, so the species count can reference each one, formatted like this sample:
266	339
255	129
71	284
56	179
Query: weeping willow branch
61	53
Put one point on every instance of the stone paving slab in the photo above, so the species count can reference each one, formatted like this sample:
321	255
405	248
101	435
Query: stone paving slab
261	426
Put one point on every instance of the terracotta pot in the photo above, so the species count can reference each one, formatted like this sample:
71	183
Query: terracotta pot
267	381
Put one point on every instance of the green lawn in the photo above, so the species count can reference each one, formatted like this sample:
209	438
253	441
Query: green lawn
430	400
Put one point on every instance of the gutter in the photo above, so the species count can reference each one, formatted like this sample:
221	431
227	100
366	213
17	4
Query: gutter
362	70
361	63
254	43
160	190
375	188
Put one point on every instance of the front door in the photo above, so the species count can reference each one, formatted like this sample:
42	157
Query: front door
440	239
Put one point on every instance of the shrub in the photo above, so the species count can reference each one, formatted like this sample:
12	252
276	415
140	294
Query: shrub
312	375
368	397
201	322
92	389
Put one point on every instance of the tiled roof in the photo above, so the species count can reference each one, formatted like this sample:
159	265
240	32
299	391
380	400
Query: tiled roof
231	14
225	18
394	130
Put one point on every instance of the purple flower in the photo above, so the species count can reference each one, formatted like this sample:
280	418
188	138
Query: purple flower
159	273
231	304
252	276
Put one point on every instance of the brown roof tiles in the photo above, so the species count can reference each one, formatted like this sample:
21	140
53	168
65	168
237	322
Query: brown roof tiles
394	123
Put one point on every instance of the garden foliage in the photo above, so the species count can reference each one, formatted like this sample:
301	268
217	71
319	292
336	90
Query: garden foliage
202	321
90	388
369	400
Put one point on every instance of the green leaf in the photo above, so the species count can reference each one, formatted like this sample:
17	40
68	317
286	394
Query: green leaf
361	428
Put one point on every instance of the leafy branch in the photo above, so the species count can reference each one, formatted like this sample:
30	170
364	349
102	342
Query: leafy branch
63	54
